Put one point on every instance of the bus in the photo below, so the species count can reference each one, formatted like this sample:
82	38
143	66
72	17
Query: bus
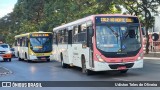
34	46
100	43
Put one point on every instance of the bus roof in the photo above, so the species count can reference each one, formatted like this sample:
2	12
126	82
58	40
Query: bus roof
27	34
91	17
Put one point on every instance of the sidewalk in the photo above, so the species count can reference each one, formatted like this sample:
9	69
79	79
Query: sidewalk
152	55
4	71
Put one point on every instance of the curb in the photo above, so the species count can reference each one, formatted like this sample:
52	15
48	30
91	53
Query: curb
153	58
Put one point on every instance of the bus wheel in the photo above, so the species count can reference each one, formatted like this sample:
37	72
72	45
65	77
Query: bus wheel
4	59
19	59
29	61
84	69
9	59
25	56
48	60
62	63
124	71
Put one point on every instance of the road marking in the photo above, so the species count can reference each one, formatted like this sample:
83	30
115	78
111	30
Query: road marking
120	79
154	52
153	58
152	62
6	73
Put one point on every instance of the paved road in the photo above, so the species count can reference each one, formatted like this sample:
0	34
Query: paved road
52	71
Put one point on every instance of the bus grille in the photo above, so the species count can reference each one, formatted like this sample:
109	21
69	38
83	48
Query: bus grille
2	52
115	66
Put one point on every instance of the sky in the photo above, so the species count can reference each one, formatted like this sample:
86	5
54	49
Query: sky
6	6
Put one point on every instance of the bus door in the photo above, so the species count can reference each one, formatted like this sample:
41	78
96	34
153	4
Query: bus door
76	46
90	33
69	47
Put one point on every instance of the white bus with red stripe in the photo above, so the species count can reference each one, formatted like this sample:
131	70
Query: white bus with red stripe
100	43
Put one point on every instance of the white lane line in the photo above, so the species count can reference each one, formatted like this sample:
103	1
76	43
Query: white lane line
153	58
120	79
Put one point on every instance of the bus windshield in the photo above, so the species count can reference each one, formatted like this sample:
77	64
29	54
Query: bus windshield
41	44
118	38
4	46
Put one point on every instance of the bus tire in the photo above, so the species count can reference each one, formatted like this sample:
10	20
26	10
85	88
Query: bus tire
62	62
123	71
29	61
48	60
9	59
84	69
26	56
4	59
19	59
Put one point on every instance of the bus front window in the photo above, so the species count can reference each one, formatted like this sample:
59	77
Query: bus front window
41	44
107	38
118	38
130	39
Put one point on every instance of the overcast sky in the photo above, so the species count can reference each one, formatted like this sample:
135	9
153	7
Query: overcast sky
6	6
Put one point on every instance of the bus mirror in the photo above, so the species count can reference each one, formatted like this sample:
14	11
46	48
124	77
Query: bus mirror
155	36
84	44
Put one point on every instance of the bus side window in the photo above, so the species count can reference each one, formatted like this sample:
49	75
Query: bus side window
65	36
62	36
70	37
27	41
15	43
90	33
23	42
54	38
20	42
82	33
59	36
75	36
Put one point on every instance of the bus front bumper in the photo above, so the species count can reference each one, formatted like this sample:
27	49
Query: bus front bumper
35	58
101	66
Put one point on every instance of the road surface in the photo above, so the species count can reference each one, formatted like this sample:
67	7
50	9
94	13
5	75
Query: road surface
52	71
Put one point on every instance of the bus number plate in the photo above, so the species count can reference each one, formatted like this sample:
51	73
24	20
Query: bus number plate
121	68
43	58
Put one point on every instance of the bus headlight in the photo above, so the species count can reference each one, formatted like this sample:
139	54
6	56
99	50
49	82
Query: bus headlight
8	52
140	57
32	53
99	58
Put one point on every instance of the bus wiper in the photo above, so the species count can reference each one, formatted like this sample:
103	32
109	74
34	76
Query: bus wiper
115	33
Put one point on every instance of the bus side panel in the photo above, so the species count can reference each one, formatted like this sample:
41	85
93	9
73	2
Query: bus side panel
54	54
78	51
25	53
70	53
16	51
20	52
63	50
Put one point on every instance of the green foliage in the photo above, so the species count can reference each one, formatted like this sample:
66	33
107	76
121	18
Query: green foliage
44	15
144	9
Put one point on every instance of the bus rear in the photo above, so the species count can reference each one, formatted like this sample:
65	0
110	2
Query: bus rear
117	43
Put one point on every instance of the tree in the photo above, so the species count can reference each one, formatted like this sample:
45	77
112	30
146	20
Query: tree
44	15
142	8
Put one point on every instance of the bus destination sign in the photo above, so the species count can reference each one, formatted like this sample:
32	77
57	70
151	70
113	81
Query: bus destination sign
40	35
116	20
